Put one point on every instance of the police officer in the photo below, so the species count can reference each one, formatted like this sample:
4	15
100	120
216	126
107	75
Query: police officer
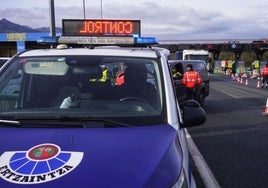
264	74
191	79
175	73
104	74
136	85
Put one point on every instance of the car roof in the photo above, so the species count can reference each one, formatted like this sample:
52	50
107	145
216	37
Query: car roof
185	61
101	51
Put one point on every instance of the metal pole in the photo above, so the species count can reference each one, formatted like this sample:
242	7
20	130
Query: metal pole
52	18
84	9
101	9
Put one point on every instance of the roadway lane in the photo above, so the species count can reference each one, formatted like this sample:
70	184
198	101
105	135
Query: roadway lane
234	140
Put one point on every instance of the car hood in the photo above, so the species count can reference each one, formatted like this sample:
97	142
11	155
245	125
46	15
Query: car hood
96	157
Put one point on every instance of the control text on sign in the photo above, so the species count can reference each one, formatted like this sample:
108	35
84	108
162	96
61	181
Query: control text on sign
106	27
101	27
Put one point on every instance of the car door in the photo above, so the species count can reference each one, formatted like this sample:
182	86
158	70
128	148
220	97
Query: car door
179	87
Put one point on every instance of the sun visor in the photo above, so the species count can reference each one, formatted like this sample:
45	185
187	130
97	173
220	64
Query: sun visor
46	68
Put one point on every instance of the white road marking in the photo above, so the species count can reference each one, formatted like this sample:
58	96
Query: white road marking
231	95
207	176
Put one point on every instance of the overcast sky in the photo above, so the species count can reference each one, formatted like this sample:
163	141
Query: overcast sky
166	19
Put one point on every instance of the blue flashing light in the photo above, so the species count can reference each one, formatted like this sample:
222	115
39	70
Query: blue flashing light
146	40
47	39
136	35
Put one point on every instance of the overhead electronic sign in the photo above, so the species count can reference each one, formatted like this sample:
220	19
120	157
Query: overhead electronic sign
85	27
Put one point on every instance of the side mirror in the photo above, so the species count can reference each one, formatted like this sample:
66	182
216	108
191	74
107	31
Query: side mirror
193	114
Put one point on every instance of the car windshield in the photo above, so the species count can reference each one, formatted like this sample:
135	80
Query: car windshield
197	66
197	57
119	88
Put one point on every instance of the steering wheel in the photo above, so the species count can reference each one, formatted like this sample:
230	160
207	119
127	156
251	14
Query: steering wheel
134	99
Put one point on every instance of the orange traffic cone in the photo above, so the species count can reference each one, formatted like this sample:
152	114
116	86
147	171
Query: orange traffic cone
241	80
266	108
246	83
258	83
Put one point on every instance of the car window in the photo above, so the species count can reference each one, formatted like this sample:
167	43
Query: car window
76	85
199	66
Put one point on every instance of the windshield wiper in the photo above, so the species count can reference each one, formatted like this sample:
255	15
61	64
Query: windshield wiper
9	122
71	121
105	121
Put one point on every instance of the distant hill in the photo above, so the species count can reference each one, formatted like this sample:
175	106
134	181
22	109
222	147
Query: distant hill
10	27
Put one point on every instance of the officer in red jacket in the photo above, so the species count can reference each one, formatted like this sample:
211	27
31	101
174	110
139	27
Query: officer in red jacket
264	74
191	79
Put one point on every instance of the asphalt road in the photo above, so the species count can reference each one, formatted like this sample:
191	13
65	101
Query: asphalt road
234	140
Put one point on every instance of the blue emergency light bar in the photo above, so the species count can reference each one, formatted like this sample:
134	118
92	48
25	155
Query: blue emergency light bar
145	40
47	39
130	41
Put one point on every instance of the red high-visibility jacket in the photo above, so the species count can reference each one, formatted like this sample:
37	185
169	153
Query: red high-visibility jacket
191	79
264	71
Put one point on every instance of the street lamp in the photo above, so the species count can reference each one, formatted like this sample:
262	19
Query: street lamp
84	8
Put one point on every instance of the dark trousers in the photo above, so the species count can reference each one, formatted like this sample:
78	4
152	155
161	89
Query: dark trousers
264	80
191	93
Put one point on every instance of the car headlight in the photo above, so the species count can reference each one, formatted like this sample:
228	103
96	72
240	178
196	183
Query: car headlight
182	181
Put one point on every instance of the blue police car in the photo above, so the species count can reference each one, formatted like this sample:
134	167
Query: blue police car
70	125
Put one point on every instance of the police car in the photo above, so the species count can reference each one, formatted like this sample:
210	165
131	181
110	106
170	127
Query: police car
69	124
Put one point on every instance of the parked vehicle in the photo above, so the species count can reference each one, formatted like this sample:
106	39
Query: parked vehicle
66	126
